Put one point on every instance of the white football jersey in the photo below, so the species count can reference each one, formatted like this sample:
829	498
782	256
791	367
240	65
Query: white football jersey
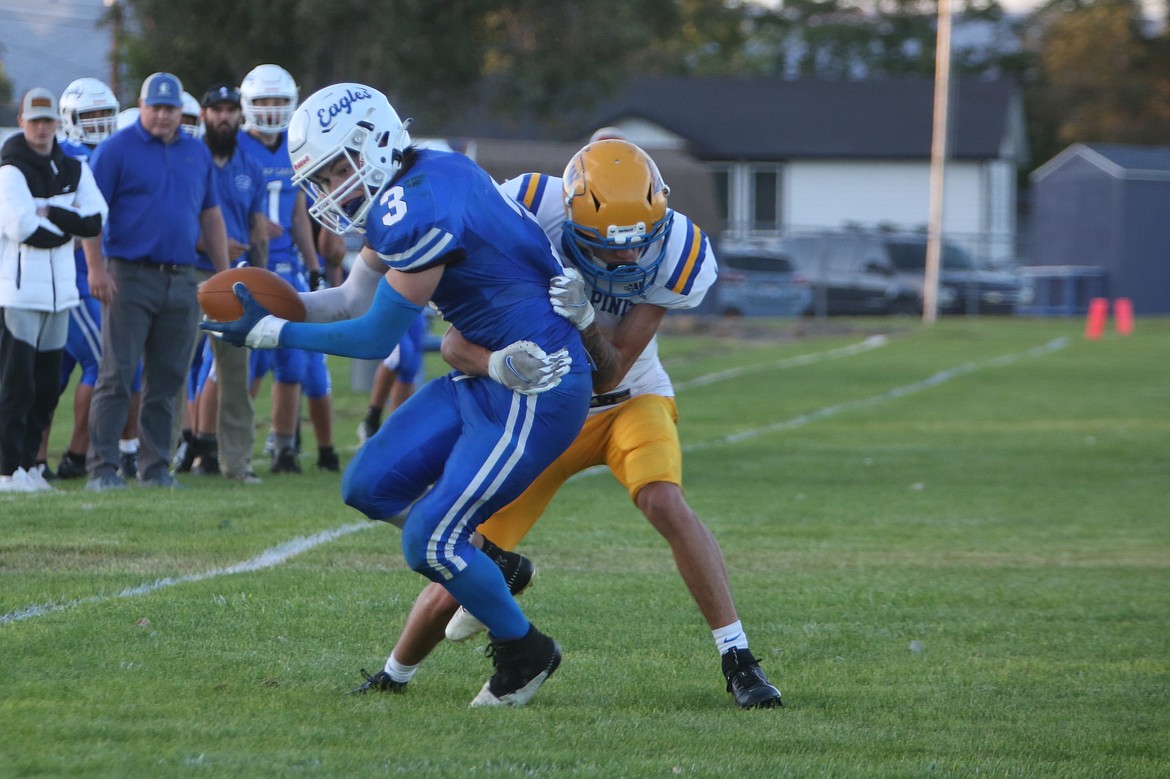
687	272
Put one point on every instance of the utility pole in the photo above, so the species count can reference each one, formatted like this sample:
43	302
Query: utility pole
938	162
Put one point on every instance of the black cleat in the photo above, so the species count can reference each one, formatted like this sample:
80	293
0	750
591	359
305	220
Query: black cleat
128	465
379	682
522	666
72	466
747	682
286	462
207	464
327	460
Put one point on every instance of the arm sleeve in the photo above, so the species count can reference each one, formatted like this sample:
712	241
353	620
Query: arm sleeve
74	223
371	336
351	298
18	213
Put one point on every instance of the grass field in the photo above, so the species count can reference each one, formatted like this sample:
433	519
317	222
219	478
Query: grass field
950	546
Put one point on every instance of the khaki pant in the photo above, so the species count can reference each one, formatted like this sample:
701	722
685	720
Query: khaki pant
236	431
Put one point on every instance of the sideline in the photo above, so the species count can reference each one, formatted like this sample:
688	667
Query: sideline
281	553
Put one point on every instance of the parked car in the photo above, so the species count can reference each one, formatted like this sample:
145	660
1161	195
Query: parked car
881	272
754	282
963	286
848	273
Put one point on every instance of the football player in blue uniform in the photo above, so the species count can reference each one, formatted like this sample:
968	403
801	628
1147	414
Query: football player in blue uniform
269	96
438	230
632	259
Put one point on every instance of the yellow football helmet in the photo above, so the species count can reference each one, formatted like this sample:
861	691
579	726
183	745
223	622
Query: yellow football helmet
615	199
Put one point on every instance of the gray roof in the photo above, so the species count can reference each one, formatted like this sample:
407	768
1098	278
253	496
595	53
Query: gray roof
692	190
1134	158
774	119
728	118
1115	160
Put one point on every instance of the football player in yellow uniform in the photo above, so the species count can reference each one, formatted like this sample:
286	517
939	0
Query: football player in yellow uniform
629	259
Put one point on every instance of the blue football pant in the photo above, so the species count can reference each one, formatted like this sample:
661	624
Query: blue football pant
480	445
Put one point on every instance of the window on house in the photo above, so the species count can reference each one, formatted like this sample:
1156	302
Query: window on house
765	198
723	195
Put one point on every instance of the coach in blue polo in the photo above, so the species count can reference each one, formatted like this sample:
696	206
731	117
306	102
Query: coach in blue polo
160	188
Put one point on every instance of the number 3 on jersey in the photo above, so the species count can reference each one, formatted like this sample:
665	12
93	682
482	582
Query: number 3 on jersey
395	206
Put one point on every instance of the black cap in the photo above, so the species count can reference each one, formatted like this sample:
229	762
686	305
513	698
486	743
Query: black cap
220	93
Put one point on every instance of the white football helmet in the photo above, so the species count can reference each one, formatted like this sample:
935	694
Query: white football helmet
127	117
192	121
89	111
354	123
268	81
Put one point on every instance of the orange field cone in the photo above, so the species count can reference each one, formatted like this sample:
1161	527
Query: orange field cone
1095	324
1123	315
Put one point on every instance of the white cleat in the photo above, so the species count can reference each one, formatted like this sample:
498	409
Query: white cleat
463	626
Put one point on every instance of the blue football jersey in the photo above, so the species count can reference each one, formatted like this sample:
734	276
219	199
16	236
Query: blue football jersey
282	195
445	209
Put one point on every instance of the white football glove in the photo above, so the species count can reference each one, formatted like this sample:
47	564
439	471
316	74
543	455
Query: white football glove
524	367
569	299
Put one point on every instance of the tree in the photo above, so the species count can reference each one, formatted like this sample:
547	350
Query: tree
1102	78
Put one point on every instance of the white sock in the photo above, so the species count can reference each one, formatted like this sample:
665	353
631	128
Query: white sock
730	637
399	672
128	445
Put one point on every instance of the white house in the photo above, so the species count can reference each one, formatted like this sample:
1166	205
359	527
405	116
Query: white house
808	153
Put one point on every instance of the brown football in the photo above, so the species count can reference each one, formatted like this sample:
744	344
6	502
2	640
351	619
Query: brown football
219	301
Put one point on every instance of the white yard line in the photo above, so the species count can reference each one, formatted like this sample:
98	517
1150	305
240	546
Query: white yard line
279	554
266	559
869	344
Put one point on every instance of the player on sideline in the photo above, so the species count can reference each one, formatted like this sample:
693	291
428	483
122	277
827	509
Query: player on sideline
610	220
438	229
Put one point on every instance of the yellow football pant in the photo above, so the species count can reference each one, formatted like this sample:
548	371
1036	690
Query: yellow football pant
637	439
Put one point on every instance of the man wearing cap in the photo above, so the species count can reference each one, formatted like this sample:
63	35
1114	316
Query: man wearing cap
160	186
243	196
46	198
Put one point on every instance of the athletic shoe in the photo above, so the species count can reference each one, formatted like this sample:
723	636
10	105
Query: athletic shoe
522	666
518	572
184	456
747	682
327	460
17	482
208	464
164	481
72	466
286	461
379	682
248	477
46	472
128	465
38	481
110	481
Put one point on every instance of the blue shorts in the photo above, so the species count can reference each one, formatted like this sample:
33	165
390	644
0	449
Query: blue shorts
83	345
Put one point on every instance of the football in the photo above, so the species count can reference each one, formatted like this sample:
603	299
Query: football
219	301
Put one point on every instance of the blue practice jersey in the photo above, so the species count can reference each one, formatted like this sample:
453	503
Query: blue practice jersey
242	193
282	195
494	290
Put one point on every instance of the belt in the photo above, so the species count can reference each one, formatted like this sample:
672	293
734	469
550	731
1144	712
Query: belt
609	399
173	268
